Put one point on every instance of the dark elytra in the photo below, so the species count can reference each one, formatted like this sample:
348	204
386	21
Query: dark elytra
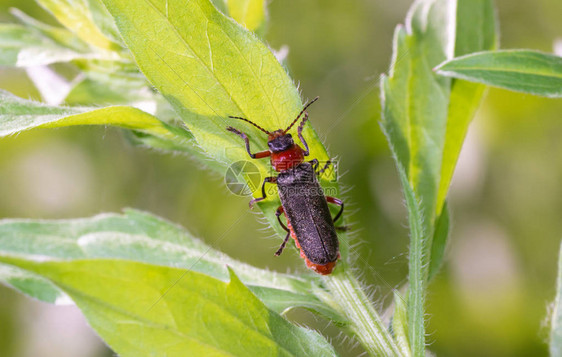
307	209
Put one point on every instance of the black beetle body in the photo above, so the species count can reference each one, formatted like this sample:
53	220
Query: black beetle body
308	214
309	221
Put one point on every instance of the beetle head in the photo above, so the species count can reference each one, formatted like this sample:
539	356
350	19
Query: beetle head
279	141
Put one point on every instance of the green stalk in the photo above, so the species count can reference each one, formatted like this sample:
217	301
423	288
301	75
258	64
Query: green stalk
366	324
418	270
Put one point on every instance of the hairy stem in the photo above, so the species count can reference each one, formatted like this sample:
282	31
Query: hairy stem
366	323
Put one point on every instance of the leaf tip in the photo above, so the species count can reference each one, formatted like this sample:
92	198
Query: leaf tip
442	67
232	275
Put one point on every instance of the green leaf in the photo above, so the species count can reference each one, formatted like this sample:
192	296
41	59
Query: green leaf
104	21
88	91
465	99
142	139
556	318
475	31
439	242
476	26
114	82
524	71
18	114
415	100
209	68
77	17
221	5
425	119
32	285
36	43
21	46
394	98
12	39
415	109
399	324
127	304
115	89
417	272
250	13
109	82
59	35
145	238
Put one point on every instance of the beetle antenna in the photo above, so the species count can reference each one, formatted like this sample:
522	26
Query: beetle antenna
300	114
251	122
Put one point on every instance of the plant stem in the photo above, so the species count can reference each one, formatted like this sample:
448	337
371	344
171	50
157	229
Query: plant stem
418	269
366	324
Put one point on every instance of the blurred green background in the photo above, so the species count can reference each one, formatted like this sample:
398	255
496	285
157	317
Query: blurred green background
493	294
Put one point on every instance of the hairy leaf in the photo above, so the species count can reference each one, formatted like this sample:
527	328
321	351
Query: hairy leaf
145	238
400	324
59	35
77	17
132	308
22	46
417	270
475	31
415	109
518	70
104	21
416	100
18	114
32	285
439	242
209	68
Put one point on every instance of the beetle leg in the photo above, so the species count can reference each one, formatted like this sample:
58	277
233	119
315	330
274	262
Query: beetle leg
299	131
257	155
264	196
315	164
280	250
278	213
338	202
318	173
